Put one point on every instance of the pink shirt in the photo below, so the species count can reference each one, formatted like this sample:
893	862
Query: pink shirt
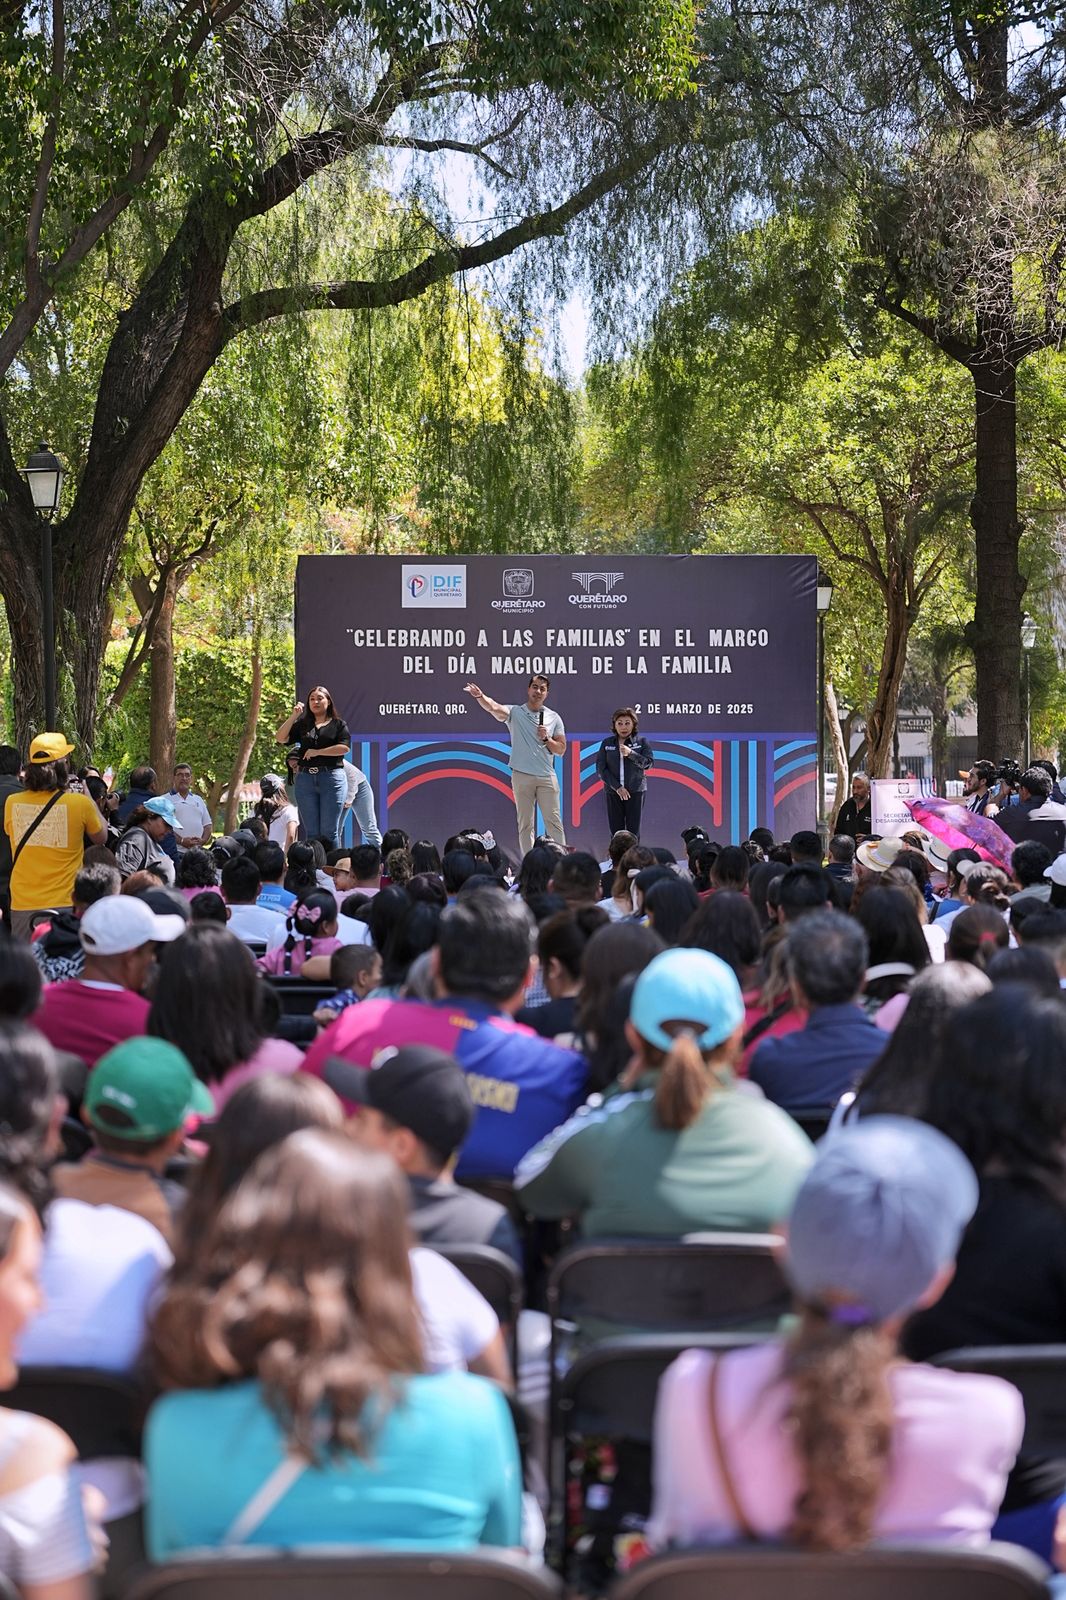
955	1438
274	960
86	1020
274	1055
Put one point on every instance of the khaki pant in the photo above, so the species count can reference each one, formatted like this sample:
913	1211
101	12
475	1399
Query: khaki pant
529	793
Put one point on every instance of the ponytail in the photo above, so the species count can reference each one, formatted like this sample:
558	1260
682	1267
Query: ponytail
840	1424
976	935
683	1086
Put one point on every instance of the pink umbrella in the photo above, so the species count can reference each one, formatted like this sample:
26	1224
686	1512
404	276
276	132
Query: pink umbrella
961	829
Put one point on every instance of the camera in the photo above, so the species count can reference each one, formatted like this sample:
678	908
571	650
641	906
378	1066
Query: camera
1009	772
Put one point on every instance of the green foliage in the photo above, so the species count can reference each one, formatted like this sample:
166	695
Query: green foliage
212	682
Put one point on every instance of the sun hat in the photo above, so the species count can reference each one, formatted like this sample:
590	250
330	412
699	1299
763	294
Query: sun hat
689	986
936	852
48	747
161	805
152	1085
122	922
879	1214
880	854
1057	871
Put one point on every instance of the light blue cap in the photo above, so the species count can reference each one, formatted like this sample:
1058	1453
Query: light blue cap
162	806
879	1214
686	986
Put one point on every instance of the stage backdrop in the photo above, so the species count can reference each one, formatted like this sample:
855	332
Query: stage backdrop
717	654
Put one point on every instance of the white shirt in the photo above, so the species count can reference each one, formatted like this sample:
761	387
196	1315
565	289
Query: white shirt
254	924
192	814
278	830
349	931
353	777
458	1322
99	1269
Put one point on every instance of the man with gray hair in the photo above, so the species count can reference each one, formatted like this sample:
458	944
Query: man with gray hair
809	1070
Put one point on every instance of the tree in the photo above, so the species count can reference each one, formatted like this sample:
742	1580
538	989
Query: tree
924	143
865	461
197	123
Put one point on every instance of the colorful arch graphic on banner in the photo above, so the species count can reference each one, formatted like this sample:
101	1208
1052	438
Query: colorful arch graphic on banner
795	764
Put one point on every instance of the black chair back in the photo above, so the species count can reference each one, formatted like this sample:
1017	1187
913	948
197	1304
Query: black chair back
102	1412
358	1575
918	1572
610	1390
1038	1371
709	1283
297	997
494	1275
815	1124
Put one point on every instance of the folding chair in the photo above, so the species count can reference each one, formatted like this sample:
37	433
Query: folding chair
353	1575
103	1412
918	1572
1038	1371
609	1393
497	1278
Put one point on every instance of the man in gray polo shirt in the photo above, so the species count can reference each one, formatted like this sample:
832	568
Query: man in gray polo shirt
537	735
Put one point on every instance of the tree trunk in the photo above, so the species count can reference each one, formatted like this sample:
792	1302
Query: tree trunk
881	723
997	622
840	752
164	710
246	743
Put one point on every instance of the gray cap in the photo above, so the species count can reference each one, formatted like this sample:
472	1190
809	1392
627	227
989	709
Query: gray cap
880	1212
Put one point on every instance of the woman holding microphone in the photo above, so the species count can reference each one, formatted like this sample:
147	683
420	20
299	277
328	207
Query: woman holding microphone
622	762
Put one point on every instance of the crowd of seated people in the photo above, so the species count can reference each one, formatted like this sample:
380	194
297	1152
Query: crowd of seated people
253	1221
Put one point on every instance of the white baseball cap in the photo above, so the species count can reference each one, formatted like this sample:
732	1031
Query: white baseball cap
121	922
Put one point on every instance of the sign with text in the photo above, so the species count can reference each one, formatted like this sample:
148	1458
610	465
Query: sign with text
888	814
715	653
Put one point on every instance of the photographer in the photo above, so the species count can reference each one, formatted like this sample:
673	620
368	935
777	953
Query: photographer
1018	822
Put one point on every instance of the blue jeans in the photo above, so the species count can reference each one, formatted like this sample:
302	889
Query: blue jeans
319	798
365	816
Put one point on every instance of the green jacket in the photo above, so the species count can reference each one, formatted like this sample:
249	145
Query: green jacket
737	1167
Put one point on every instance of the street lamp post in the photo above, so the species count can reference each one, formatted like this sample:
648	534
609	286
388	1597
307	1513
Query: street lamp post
1028	641
824	597
43	473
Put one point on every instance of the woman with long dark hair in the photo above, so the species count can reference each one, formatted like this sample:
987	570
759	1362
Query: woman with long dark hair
828	1440
998	1091
208	1002
292	1340
322	741
898	950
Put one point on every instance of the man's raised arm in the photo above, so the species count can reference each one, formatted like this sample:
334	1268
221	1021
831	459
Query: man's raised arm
493	707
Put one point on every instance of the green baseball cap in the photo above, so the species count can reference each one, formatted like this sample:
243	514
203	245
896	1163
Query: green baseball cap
151	1083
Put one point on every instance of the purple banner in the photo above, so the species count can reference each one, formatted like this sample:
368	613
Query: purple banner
716	653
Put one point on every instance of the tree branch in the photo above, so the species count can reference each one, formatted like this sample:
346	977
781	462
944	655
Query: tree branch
48	147
373	294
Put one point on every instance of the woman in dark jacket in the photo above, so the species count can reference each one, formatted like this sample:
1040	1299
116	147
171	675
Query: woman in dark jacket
622	762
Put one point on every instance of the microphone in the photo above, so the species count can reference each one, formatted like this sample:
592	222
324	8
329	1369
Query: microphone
540	717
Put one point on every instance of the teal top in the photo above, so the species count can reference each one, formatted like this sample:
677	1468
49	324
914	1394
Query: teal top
443	1472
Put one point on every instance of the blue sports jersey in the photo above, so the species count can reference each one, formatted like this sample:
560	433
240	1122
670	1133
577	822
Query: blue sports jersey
523	1086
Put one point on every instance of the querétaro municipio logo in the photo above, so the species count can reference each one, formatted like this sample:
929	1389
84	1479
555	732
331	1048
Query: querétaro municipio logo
518	585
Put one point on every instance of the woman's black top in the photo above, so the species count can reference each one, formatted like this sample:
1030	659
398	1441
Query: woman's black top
310	739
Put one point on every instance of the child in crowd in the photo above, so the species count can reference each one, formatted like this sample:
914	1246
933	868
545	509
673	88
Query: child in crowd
312	931
355	969
138	1098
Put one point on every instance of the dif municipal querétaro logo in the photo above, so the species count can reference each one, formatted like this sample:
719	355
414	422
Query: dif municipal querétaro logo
427	587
